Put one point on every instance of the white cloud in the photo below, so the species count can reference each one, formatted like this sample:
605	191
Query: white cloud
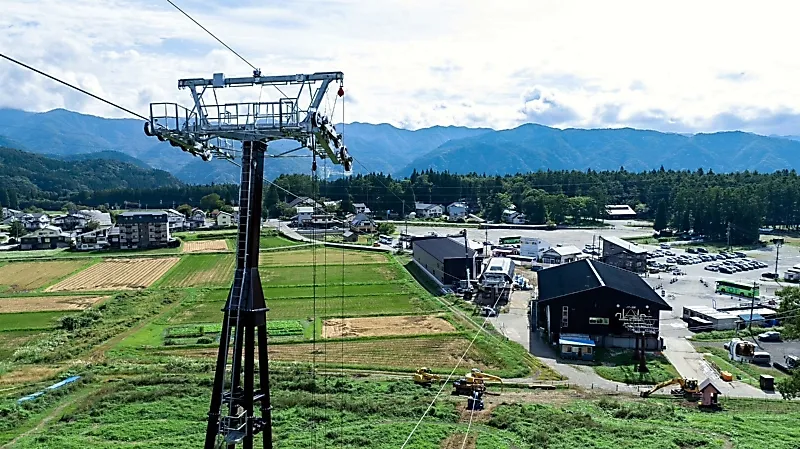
679	65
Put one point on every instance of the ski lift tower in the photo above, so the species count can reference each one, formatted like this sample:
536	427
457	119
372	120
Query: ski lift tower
210	129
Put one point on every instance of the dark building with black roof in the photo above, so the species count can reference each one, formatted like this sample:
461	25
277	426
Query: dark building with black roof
589	298
445	258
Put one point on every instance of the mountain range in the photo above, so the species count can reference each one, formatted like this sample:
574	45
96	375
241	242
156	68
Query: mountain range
384	148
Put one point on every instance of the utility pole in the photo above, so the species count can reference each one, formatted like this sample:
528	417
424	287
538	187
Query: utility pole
405	216
729	236
752	305
778	241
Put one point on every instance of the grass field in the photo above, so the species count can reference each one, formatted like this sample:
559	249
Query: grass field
331	275
30	320
329	256
202	270
19	277
620	367
117	274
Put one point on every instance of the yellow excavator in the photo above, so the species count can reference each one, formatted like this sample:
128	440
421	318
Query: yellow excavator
688	388
424	376
474	381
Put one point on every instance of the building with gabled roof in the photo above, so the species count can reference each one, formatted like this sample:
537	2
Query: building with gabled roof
591	298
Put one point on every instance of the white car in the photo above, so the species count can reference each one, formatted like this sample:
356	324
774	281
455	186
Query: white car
664	246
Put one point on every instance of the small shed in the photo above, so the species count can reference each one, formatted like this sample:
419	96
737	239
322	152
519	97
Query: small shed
709	394
349	236
575	346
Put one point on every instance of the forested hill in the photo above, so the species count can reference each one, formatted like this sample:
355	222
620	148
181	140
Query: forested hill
35	176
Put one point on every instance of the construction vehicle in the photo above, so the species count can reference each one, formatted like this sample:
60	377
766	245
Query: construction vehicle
688	388
479	377
424	376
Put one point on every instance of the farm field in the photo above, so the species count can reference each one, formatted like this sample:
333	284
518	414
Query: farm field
201	270
385	326
47	303
117	274
30	320
329	256
16	277
326	274
200	246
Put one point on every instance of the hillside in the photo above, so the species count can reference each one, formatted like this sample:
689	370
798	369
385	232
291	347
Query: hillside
32	175
533	147
65	133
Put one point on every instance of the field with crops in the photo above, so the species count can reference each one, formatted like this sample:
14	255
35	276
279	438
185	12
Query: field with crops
117	274
204	246
145	351
18	277
201	270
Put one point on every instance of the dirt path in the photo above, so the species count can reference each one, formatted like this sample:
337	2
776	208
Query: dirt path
456	441
54	414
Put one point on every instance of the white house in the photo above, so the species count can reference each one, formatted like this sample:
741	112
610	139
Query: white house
513	217
176	220
362	208
304	214
8	212
620	211
532	247
224	220
457	210
197	219
33	222
561	254
425	210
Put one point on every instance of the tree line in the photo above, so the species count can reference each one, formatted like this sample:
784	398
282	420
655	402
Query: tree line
707	202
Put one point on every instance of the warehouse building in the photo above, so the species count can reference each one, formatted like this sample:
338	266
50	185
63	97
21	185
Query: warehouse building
590	299
624	254
446	259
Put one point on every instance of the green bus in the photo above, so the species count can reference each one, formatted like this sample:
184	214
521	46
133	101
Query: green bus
510	240
737	288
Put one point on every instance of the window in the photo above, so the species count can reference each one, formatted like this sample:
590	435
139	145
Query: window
596	320
565	316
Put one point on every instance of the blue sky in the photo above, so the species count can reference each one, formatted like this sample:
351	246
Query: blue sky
683	66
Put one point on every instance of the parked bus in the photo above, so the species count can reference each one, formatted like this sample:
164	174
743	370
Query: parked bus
514	240
737	288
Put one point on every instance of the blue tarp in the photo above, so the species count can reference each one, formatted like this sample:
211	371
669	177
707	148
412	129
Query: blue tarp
55	386
746	317
576	341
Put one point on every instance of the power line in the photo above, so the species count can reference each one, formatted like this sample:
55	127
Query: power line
449	376
73	86
212	35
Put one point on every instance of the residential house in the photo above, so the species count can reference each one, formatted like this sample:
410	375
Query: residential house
363	224
513	217
97	239
8	213
304	215
589	301
48	237
79	219
561	254
624	254
445	259
362	208
176	220
197	219
457	210
143	229
33	222
305	201
425	210
225	220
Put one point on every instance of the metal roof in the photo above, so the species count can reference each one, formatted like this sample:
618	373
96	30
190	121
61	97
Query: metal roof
575	341
568	250
582	275
441	248
624	244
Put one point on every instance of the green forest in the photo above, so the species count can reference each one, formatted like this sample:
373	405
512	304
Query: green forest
703	201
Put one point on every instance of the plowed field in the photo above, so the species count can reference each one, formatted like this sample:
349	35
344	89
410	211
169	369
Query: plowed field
117	274
28	276
204	246
385	325
47	303
324	256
